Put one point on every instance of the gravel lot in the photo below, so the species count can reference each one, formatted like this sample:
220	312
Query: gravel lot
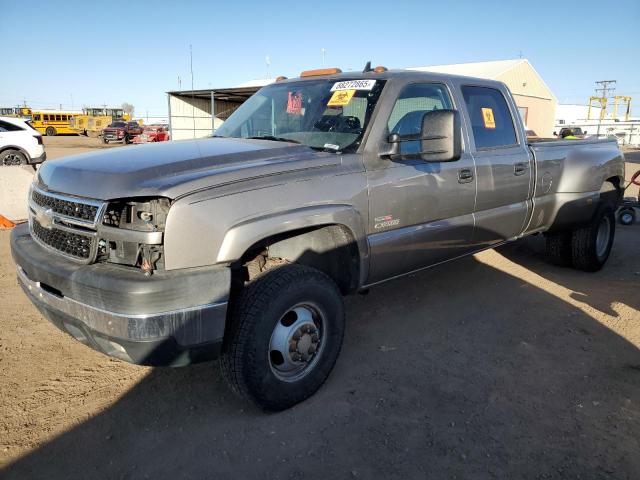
494	366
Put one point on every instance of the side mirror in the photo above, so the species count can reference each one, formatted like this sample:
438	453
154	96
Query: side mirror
440	139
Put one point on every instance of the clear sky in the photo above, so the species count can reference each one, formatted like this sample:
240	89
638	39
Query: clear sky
90	53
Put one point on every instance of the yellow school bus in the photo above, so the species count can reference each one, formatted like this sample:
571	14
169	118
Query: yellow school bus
52	122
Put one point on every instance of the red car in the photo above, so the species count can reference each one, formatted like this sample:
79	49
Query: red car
152	133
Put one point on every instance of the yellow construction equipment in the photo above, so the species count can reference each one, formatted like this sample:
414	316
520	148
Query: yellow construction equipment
603	106
94	119
622	99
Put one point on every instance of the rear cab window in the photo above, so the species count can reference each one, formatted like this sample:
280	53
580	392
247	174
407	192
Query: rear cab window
491	119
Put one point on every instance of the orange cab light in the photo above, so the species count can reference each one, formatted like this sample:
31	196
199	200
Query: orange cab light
380	69
319	72
281	78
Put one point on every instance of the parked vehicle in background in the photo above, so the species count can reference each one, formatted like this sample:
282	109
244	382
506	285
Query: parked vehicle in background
571	133
20	143
20	112
94	119
152	133
242	245
53	122
532	135
121	132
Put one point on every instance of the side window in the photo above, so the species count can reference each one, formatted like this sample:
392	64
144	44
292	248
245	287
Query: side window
412	103
57	118
36	118
46	117
491	119
3	127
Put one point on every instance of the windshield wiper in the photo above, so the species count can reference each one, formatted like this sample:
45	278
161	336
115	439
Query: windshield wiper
271	137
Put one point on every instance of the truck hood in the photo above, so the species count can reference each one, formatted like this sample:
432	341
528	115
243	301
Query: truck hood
175	169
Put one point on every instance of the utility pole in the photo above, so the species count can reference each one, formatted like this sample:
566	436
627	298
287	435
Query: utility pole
267	60
606	91
324	51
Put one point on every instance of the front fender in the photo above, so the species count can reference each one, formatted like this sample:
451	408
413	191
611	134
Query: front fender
243	236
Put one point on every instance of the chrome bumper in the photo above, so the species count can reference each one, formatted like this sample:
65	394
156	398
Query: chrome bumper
146	339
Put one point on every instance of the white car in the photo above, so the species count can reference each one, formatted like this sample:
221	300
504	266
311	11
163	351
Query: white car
20	143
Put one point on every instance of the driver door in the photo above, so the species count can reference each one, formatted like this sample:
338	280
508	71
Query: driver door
421	213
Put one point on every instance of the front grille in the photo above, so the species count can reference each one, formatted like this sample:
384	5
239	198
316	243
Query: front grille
68	208
73	244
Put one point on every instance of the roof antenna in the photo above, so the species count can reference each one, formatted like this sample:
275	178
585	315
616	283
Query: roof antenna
367	67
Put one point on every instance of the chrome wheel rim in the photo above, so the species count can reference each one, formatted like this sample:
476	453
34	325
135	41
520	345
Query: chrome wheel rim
12	159
602	237
296	342
627	218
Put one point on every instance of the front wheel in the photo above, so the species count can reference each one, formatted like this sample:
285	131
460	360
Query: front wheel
13	157
284	337
591	244
51	132
127	140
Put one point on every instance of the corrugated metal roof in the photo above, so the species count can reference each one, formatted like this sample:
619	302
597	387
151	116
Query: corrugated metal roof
261	82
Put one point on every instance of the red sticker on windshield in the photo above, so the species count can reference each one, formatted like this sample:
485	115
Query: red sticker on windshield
294	103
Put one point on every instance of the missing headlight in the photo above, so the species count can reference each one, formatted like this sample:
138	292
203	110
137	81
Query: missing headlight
145	215
135	215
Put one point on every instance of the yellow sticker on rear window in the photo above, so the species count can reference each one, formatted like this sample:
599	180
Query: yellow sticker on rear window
487	118
341	98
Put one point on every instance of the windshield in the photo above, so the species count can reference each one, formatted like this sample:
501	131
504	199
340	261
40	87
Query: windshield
118	124
324	114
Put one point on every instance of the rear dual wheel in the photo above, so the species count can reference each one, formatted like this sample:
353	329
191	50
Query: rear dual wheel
285	336
585	248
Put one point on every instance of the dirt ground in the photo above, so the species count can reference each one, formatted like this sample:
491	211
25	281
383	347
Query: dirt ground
494	366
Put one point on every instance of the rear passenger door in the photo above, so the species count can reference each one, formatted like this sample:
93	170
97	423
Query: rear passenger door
503	165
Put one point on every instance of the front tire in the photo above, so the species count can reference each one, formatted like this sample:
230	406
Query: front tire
284	337
51	132
13	157
592	243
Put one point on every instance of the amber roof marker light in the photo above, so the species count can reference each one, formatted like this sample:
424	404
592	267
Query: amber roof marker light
319	72
378	69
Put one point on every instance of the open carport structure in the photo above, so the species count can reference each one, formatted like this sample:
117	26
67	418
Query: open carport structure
197	113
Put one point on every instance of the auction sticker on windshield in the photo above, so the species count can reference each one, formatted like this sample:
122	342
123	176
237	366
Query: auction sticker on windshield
341	98
354	85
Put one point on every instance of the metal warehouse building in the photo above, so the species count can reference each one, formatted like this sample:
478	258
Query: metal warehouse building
536	102
195	114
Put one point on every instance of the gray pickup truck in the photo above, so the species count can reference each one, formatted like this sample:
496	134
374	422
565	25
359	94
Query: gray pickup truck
241	246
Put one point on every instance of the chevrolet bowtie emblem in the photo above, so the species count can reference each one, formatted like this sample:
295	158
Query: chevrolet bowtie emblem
45	218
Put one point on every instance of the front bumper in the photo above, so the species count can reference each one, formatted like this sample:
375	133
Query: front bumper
40	159
170	318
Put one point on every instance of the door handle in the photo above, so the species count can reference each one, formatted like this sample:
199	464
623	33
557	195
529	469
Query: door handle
520	168
465	175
